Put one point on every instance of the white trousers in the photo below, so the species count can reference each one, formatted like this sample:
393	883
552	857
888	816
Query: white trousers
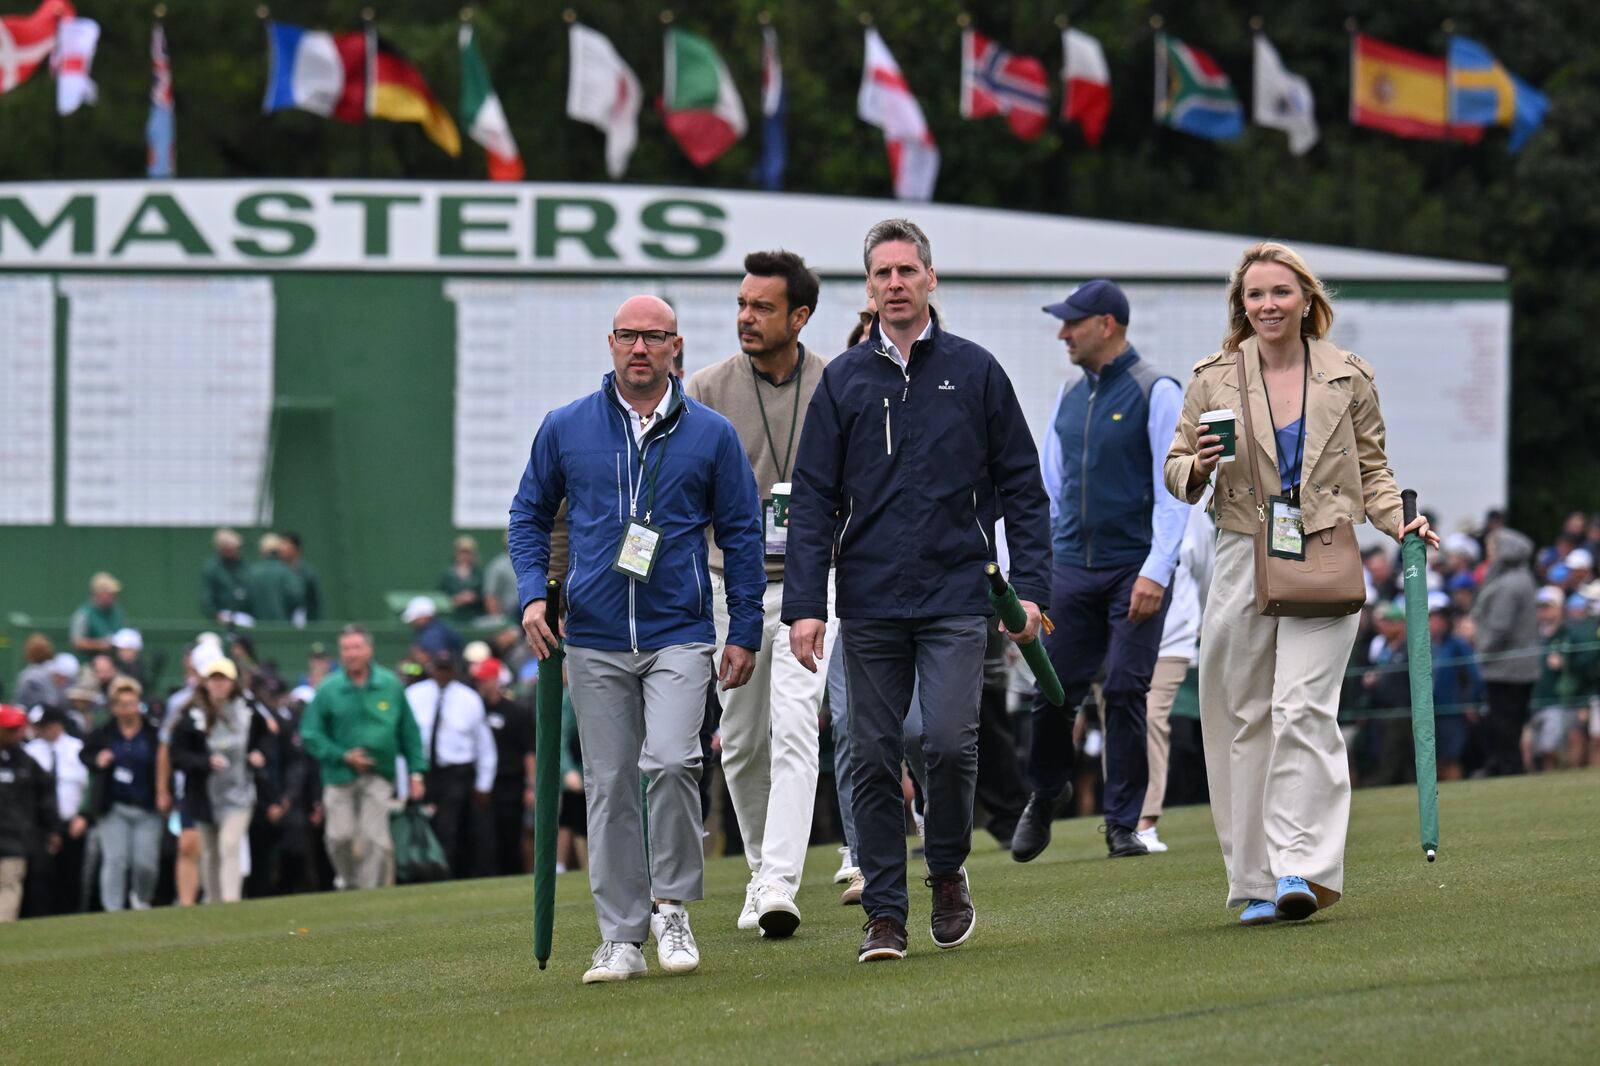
769	743
221	852
1275	758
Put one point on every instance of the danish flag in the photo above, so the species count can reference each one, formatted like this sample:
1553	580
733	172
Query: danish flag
27	40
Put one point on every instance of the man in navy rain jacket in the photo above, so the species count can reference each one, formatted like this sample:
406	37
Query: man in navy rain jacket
912	443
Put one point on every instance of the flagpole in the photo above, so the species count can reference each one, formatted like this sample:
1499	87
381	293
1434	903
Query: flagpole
1449	28
1064	186
369	30
1351	27
1257	24
1156	22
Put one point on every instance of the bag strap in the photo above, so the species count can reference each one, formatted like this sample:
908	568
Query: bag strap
1250	439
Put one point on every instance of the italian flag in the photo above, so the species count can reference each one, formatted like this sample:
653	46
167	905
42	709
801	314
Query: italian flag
486	120
702	108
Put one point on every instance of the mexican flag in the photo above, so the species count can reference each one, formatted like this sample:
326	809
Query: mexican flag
702	108
486	120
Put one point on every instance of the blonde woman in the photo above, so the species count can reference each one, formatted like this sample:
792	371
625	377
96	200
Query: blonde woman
217	744
1269	686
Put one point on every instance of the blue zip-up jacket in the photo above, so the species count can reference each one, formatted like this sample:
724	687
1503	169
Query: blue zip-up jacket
585	453
1108	493
902	472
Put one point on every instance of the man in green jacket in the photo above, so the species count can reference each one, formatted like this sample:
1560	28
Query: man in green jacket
356	725
223	588
277	594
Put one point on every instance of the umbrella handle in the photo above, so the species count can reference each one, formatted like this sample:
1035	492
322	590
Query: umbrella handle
1408	506
552	599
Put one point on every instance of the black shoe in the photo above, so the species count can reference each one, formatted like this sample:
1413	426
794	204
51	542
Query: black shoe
886	939
1122	842
1032	834
953	915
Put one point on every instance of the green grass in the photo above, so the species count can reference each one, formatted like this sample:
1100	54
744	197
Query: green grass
1492	954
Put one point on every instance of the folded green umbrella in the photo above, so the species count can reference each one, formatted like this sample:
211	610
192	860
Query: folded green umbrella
1419	660
1009	608
547	783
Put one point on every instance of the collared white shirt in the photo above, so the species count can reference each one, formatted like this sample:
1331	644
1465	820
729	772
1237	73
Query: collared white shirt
893	352
642	424
464	736
72	777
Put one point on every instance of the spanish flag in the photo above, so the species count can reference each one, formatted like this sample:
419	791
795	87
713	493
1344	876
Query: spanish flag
397	92
1401	92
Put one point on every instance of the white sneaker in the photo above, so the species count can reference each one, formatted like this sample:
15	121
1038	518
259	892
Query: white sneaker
749	917
1149	839
614	960
851	896
675	946
776	912
846	867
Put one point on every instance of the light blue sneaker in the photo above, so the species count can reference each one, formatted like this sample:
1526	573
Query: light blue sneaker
1296	901
1259	912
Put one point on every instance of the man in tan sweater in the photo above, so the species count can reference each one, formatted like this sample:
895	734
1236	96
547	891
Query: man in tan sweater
769	726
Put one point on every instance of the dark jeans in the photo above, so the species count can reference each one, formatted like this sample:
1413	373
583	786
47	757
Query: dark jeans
461	827
1000	791
1508	713
506	810
884	658
1090	612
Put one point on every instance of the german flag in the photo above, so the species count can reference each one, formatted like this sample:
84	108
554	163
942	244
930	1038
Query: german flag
397	91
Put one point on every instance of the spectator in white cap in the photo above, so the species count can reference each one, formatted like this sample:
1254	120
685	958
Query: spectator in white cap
1580	568
101	615
431	634
127	653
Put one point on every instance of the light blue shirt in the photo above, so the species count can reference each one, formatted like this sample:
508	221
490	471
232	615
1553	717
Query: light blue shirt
1170	515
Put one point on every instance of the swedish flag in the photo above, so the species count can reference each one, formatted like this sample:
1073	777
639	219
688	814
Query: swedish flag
1485	93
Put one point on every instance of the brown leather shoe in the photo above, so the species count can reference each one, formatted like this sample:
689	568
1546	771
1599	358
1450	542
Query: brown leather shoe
953	916
886	939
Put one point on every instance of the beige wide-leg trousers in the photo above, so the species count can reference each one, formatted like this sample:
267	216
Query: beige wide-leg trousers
1269	705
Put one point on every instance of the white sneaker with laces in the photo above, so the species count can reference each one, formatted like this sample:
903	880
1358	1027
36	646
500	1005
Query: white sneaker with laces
776	912
615	960
749	917
846	867
675	946
1148	838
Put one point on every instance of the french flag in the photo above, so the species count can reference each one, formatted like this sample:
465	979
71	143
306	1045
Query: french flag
1087	80
324	73
997	82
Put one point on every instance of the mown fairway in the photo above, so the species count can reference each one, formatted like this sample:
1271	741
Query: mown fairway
1492	954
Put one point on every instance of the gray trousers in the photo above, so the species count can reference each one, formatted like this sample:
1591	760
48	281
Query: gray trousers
640	712
885	659
130	842
839	718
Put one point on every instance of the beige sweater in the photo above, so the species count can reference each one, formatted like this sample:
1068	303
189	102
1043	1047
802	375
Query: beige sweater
731	388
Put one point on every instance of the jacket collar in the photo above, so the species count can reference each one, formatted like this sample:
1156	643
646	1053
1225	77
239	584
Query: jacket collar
1117	366
1326	402
674	402
875	334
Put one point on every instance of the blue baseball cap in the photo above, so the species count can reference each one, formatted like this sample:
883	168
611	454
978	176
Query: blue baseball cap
1097	297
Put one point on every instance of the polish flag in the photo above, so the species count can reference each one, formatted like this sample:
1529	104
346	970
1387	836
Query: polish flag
27	40
1087	82
885	101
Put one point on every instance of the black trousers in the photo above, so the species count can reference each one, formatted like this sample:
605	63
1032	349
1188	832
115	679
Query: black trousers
1000	790
460	825
1508	713
506	810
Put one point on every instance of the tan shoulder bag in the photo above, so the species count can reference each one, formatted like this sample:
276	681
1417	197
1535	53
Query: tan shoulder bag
1328	582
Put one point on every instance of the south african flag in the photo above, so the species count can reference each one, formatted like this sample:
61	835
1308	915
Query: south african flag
1193	94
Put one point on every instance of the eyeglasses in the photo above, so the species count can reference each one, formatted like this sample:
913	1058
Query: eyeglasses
653	338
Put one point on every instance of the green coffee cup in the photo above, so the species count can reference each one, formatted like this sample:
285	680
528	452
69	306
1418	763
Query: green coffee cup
1221	422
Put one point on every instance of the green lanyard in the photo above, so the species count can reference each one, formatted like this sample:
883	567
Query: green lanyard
653	475
794	420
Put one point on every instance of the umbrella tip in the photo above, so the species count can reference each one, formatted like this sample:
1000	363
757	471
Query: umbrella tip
541	964
1431	854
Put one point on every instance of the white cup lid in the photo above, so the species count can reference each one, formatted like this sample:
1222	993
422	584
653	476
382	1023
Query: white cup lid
782	488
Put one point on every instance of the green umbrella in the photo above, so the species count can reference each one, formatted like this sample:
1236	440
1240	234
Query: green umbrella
1009	608
1419	659
547	783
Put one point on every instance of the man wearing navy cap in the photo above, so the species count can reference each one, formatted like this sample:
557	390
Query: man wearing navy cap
1115	535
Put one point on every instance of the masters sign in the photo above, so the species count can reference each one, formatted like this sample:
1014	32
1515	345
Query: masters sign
358	225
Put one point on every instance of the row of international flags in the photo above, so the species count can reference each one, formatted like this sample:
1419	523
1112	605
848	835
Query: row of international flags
357	75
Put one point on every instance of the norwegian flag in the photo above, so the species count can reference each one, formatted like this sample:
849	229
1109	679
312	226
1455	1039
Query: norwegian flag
997	82
27	41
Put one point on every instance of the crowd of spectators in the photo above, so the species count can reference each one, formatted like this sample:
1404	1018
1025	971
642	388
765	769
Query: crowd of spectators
207	792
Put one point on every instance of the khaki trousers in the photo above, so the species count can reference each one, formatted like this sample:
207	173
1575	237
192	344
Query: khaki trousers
221	875
13	874
770	742
1269	705
357	830
1164	684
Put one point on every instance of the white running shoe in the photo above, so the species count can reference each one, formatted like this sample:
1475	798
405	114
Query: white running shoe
749	917
1148	838
675	946
615	960
777	913
846	867
851	896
